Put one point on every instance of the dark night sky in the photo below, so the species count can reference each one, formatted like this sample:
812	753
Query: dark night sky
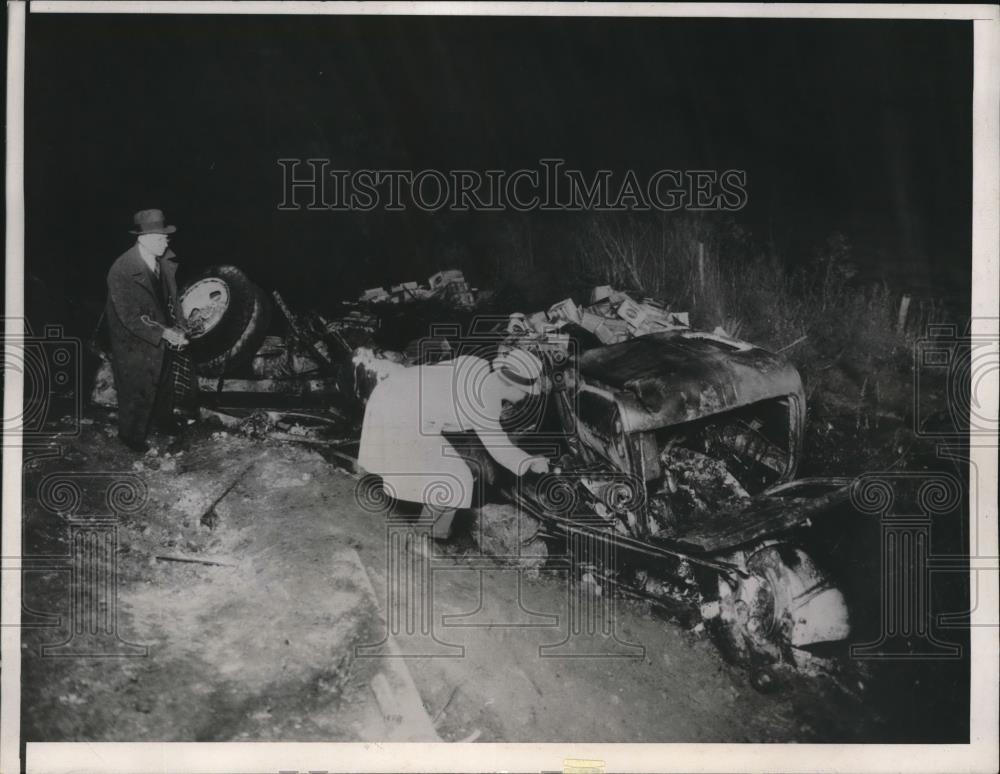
862	127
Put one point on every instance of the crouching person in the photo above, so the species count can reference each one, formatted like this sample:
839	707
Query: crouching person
401	436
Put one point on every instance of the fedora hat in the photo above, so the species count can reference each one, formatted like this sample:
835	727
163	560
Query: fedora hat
151	222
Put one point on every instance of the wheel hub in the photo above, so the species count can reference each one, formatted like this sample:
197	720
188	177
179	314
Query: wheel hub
204	304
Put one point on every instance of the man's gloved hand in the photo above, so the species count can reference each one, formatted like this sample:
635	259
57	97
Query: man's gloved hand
537	464
175	338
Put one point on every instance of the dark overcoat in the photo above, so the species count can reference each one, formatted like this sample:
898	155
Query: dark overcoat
137	347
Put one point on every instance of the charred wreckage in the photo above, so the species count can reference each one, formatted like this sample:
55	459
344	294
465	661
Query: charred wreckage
674	448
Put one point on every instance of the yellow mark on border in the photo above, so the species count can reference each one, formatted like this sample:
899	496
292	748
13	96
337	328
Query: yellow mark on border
580	766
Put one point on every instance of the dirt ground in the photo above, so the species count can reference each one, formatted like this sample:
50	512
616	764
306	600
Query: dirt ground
265	618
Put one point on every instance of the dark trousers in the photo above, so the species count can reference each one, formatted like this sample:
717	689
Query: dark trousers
134	424
163	405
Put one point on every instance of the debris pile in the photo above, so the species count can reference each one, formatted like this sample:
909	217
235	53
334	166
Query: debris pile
612	316
278	358
697	486
257	425
354	322
336	359
449	285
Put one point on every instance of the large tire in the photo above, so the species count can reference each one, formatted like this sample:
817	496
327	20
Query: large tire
246	345
217	306
231	316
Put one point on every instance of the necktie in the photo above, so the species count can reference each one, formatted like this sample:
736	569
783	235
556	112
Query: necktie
161	291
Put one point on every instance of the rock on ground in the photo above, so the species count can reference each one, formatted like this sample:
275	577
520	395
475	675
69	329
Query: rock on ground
505	532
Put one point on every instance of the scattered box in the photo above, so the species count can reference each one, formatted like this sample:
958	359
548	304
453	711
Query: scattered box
538	321
565	310
446	277
590	321
374	294
611	331
600	293
632	313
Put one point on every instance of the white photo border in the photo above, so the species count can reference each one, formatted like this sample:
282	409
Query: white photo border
981	754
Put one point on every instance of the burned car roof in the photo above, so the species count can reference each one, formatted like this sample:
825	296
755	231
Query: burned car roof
679	376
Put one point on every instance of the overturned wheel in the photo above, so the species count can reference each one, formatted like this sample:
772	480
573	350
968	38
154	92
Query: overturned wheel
227	316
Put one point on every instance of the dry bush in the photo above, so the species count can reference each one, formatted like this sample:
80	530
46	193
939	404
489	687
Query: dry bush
708	265
840	332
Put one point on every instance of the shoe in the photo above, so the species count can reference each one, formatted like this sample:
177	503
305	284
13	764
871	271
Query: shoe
141	447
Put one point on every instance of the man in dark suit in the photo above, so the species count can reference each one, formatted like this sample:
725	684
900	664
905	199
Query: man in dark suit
142	312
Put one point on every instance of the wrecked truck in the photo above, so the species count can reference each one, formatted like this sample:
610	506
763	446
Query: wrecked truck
675	449
678	451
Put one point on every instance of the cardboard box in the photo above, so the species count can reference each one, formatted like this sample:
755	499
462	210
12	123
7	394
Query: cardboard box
374	294
565	310
629	311
600	293
591	321
446	277
612	331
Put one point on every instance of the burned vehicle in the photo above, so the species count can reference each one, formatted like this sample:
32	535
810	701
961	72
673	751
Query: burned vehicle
678	450
673	450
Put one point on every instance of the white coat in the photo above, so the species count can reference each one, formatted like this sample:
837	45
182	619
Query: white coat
401	437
